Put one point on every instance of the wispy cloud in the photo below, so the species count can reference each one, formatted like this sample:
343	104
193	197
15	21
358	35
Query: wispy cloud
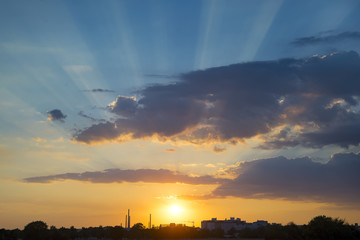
170	150
219	149
40	140
82	114
320	39
316	97
210	165
100	90
121	176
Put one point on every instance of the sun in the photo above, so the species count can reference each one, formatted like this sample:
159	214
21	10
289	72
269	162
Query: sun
175	209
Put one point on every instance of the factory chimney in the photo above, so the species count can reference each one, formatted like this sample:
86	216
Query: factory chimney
129	218
150	222
126	218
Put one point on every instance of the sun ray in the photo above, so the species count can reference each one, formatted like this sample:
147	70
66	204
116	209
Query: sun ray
261	26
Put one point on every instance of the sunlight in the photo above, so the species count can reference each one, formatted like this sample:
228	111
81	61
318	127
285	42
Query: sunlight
175	209
261	25
203	40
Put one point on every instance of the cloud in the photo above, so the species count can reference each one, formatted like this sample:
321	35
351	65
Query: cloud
124	106
337	181
56	115
170	150
121	176
39	140
99	90
106	131
311	100
82	114
210	165
219	149
312	40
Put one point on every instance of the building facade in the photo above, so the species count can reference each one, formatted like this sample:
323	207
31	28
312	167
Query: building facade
232	223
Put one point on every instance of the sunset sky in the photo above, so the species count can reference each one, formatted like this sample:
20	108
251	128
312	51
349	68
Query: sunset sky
183	109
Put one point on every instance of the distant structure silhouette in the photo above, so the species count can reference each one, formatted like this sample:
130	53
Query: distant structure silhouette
232	223
128	219
150	221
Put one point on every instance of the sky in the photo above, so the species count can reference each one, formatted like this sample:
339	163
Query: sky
186	110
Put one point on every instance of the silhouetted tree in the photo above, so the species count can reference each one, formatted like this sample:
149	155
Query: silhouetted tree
10	234
138	226
137	231
274	232
36	230
327	228
115	233
294	232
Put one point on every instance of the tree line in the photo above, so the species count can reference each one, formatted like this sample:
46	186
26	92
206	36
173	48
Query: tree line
319	228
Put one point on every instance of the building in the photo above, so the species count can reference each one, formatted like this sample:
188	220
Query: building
232	223
257	224
225	225
171	225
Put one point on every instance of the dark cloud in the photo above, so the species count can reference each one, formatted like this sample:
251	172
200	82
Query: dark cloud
312	40
106	131
343	134
124	106
99	90
337	181
316	98
219	149
56	115
120	176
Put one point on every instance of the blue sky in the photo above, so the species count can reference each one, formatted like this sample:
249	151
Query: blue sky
194	87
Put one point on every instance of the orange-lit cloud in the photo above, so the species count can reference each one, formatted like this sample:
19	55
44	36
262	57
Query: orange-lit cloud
40	140
210	165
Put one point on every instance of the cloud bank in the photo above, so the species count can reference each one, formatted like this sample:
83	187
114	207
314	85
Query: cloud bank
337	181
55	115
299	179
310	102
121	176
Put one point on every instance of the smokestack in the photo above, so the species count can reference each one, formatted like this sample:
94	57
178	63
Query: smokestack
126	218
150	222
129	218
